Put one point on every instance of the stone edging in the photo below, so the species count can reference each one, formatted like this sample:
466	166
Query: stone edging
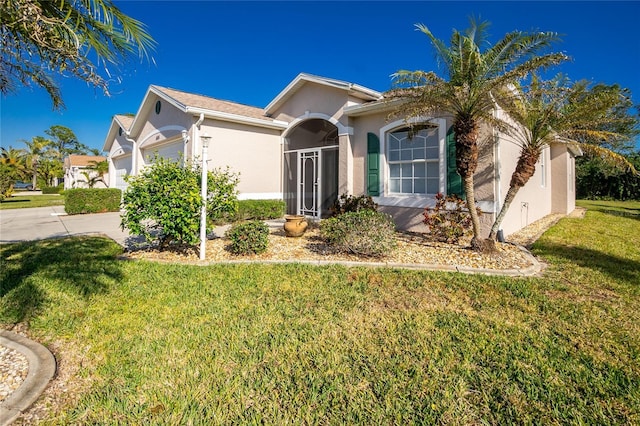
42	368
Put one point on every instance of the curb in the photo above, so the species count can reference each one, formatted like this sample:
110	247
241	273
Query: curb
42	368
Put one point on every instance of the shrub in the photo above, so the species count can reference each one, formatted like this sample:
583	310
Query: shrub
449	220
260	209
52	189
163	202
350	203
222	198
248	237
365	232
92	200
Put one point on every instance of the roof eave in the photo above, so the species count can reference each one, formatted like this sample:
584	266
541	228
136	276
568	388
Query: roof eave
356	90
370	108
236	118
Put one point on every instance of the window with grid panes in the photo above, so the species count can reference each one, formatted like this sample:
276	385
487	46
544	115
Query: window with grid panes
413	161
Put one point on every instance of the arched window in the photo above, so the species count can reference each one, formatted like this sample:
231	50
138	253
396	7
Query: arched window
413	159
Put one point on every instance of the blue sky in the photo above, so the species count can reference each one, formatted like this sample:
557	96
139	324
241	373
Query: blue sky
248	52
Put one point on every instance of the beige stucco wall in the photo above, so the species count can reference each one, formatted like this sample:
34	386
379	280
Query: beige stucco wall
314	98
160	129
533	201
563	176
253	152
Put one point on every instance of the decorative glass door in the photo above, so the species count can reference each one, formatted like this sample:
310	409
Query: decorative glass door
309	185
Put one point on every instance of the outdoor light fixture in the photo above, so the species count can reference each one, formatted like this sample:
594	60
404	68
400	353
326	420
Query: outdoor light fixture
205	138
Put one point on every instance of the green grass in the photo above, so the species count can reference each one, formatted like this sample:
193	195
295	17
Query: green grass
168	344
26	201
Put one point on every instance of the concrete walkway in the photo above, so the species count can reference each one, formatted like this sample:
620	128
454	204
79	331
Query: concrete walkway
41	223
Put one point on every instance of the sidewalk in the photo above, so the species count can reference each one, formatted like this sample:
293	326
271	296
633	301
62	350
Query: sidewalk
39	223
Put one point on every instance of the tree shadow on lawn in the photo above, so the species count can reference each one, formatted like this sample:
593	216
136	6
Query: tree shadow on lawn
79	267
618	268
621	211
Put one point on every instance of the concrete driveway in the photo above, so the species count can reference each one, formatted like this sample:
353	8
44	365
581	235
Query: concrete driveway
52	222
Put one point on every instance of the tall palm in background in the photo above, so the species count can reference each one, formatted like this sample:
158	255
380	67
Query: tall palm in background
555	111
37	148
474	72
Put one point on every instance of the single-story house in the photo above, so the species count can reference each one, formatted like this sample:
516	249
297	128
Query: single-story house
320	138
77	167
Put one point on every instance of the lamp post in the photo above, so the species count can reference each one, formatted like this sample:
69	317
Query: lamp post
203	211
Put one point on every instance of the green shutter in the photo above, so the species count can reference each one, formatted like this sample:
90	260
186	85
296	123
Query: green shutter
454	181
373	164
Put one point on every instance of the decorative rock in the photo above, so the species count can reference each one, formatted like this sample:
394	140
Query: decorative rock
14	368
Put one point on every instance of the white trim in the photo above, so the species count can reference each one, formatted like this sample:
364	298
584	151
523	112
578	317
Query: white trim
354	89
235	118
342	129
141	143
261	196
370	107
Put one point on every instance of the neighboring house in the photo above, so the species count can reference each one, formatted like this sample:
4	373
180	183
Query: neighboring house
320	138
75	165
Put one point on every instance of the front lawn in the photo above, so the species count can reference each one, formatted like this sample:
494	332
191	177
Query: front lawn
141	342
26	201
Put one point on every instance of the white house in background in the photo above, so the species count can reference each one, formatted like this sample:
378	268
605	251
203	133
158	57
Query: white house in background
76	165
320	138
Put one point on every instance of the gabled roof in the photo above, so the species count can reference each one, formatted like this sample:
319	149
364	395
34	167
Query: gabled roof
118	121
124	121
353	89
195	104
75	160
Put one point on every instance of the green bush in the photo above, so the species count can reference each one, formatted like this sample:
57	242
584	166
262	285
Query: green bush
248	237
222	198
350	203
92	200
52	189
163	203
365	233
260	209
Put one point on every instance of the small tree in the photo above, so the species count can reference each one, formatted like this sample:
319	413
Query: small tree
163	203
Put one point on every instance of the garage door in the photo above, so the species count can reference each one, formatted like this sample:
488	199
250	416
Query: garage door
170	151
123	168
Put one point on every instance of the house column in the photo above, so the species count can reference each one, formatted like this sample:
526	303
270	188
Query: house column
345	166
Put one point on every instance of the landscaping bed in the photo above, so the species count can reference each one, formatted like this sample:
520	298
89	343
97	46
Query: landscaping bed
413	250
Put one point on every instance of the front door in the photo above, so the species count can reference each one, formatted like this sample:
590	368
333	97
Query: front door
317	171
309	185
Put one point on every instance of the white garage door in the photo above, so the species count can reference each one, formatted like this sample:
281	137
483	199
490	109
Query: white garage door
123	168
171	151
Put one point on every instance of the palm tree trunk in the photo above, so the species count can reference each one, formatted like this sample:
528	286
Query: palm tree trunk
466	131
525	168
476	241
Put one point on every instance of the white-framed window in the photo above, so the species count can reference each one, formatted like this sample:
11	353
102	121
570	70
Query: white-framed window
414	161
542	165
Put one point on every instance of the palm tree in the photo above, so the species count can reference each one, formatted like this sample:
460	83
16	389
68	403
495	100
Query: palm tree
91	179
474	75
548	112
100	167
43	38
37	148
14	159
12	168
